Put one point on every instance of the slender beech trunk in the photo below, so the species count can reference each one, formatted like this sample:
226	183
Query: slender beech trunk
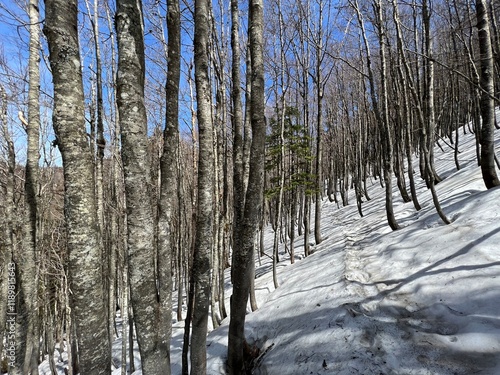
281	113
100	142
218	218
99	121
293	218
27	258
384	115
495	41
169	176
247	126
188	261
487	138
380	104
184	230
319	128
237	126
241	136
254	198
84	268
402	74
204	223
303	56
428	126
117	251
144	295
237	123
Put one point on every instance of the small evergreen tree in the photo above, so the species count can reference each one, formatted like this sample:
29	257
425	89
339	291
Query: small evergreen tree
298	154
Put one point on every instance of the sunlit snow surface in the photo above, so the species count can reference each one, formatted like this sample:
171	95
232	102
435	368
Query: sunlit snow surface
421	300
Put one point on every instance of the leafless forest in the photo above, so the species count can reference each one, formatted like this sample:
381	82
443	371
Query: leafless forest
144	145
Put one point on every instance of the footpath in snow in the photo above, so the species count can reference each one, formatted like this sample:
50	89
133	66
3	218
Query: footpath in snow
421	300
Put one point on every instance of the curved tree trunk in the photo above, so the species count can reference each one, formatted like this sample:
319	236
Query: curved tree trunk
385	128
428	126
253	202
381	105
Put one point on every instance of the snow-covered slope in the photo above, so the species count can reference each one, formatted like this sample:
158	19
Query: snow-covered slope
421	300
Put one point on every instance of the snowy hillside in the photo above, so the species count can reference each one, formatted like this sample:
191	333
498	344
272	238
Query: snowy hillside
422	300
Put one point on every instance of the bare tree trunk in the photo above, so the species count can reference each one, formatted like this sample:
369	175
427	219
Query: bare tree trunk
406	77
254	197
98	120
319	166
241	135
100	142
495	45
487	138
247	126
218	219
281	114
144	295
319	127
237	121
405	108
27	258
303	56
192	218
80	206
380	104
116	257
169	177
428	127
204	223
183	213
385	127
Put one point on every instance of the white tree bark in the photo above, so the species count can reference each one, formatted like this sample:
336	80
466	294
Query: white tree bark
244	245
87	298
204	227
487	140
144	294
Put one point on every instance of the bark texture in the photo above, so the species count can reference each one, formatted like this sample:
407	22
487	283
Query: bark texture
237	121
144	295
169	176
84	266
244	243
204	224
27	258
487	139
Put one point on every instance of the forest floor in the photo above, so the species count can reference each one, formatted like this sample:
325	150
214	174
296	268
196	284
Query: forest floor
420	300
